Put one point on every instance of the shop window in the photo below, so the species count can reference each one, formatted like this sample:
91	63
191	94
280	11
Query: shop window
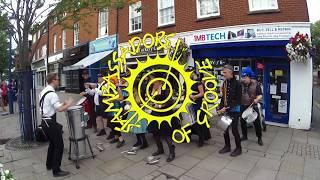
135	17
103	22
166	13
54	43
207	8
76	33
64	39
259	5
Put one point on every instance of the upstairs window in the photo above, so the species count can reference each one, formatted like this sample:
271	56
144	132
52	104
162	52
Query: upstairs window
76	33
166	12
54	43
103	22
207	8
260	5
135	17
64	39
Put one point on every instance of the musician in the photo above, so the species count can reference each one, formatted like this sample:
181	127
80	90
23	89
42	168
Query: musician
49	106
230	104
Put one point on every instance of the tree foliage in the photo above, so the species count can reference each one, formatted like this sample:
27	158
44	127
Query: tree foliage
315	34
3	43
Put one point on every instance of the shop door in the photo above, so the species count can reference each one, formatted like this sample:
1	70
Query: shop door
277	94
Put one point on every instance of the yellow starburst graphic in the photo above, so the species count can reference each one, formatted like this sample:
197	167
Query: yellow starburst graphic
140	110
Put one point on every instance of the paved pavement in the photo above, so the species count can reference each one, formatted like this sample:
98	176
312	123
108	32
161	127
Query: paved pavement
287	154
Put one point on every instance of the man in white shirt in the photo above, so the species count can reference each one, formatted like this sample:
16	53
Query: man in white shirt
49	105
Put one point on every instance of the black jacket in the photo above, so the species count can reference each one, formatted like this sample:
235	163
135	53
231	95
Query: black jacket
234	92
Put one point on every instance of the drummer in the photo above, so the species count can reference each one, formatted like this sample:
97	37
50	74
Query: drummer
251	95
49	105
100	107
92	118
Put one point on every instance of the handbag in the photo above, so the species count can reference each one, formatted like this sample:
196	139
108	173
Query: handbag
40	135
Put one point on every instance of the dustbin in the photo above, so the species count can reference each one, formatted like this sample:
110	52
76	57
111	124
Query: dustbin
76	118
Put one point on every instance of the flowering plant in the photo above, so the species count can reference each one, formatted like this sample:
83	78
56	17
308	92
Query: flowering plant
5	174
299	47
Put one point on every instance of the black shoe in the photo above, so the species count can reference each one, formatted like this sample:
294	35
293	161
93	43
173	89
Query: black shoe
157	153
264	127
236	152
171	157
145	145
110	136
102	132
137	144
49	168
114	141
224	150
120	144
61	173
260	142
244	138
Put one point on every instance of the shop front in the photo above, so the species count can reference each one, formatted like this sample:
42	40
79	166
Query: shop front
71	56
39	67
287	85
100	51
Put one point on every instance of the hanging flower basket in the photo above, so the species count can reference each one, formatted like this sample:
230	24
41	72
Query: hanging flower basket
299	48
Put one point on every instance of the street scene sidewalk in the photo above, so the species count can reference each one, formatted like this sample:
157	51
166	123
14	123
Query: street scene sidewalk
286	154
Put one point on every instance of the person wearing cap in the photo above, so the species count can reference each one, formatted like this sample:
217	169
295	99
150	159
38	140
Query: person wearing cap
251	96
230	104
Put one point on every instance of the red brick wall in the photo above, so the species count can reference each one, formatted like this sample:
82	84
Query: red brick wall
88	31
231	13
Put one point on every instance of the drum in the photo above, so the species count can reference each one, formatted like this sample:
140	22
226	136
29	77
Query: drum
188	118
84	102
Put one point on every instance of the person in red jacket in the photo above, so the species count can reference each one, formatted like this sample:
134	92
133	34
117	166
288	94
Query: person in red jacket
4	95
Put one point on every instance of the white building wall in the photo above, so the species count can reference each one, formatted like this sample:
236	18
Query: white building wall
300	95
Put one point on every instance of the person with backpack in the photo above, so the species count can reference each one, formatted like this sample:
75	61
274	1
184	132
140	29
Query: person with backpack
49	106
251	96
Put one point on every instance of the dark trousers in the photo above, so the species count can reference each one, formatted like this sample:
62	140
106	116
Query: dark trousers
55	150
235	131
168	139
257	123
141	138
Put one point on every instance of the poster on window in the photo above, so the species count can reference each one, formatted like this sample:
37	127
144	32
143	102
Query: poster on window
282	106
284	88
273	89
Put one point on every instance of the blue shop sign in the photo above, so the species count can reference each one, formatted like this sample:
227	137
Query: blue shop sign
103	44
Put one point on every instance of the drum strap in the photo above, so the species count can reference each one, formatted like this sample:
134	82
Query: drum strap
225	94
42	100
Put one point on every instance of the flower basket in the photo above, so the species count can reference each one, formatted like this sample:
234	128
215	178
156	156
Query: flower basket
299	48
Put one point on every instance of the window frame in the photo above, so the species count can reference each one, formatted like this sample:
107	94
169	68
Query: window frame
44	50
130	17
106	23
64	39
55	43
199	16
159	18
76	41
251	9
